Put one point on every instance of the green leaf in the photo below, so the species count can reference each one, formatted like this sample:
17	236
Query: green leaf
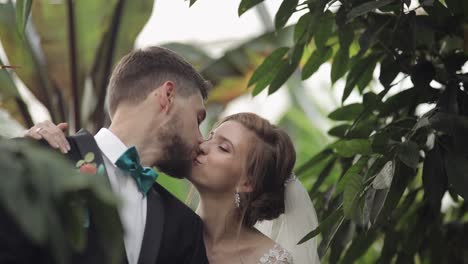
456	166
287	69
339	65
192	2
323	175
350	194
20	53
366	8
23	9
264	81
456	6
92	19
346	113
393	196
349	148
356	168
367	75
339	130
318	57
175	186
346	36
389	247
397	102
8	88
313	161
378	203
383	179
341	59
129	17
371	34
300	30
89	157
325	30
79	163
359	246
408	153
281	77
296	53
268	64
246	5
363	214
370	101
389	70
327	224
341	240
456	126
285	11
434	177
74	221
360	74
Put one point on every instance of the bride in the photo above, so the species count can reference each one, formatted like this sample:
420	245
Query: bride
253	208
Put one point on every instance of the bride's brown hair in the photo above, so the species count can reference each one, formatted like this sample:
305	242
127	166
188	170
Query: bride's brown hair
269	164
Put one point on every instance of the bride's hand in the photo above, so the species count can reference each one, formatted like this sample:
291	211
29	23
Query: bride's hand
53	134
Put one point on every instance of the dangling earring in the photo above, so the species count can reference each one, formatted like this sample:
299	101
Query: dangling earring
237	199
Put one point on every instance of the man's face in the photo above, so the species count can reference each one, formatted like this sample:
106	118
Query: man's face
182	136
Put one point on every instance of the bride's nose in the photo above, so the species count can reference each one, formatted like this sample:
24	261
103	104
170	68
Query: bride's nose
203	148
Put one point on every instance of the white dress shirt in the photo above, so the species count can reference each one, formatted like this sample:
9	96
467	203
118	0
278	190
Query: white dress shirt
133	209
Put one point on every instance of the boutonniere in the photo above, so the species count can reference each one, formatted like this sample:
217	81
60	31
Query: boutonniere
88	166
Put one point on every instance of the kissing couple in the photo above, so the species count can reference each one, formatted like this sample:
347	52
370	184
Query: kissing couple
252	209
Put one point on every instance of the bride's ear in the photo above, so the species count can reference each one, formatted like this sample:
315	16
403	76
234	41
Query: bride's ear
245	185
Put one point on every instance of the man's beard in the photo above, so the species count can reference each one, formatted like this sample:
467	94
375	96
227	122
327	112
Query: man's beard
177	157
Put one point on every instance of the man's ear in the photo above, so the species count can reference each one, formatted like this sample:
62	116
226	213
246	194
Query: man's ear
166	94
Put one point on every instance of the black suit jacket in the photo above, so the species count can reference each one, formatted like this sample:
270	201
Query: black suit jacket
173	232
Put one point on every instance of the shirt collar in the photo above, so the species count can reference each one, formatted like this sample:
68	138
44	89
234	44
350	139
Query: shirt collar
111	146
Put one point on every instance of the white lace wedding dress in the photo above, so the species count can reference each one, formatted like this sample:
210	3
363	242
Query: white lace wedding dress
276	255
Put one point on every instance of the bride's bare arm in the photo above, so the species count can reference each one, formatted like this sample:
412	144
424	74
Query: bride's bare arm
53	134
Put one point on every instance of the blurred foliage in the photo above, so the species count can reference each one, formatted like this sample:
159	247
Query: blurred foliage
378	185
390	164
65	53
51	209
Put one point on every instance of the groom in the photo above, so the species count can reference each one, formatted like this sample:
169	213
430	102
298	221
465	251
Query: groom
156	102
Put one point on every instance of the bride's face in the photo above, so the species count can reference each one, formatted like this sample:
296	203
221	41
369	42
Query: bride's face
220	165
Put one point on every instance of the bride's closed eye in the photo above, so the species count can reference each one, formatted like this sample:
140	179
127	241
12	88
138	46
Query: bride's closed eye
223	148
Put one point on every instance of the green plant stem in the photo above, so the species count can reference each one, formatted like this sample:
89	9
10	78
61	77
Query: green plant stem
73	63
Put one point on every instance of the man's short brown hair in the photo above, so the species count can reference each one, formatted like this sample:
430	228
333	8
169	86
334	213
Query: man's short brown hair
142	71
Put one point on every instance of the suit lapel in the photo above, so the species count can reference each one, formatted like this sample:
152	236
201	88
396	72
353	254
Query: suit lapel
154	227
86	143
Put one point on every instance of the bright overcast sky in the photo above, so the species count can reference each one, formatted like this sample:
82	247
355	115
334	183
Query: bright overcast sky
216	26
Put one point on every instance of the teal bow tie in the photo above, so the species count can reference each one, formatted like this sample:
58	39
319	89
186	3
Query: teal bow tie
129	161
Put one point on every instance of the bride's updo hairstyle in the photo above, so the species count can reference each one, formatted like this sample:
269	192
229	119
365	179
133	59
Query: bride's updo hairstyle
269	164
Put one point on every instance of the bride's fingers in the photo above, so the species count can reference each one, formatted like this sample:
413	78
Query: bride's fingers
63	126
55	136
64	142
32	133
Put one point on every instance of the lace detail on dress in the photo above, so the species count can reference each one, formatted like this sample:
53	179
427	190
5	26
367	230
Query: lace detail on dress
276	255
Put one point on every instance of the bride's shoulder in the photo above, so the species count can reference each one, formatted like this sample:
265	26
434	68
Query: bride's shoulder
276	255
270	252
